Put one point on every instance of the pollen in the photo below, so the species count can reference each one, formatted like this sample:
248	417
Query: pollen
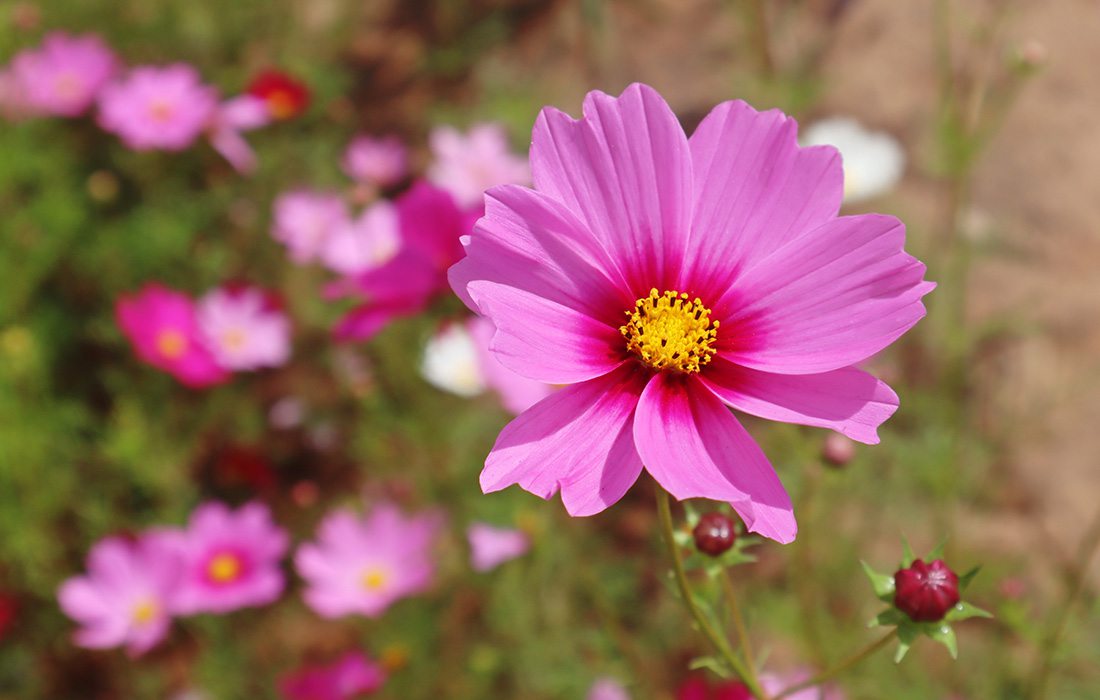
670	332
224	568
374	579
171	343
145	611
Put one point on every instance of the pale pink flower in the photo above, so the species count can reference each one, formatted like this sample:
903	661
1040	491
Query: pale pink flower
775	683
63	76
244	329
364	243
231	559
155	107
362	565
664	280
353	675
468	164
127	595
607	689
162	328
492	546
304	220
381	162
233	117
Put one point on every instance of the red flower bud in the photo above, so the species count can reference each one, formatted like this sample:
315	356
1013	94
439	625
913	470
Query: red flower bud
285	96
926	592
714	534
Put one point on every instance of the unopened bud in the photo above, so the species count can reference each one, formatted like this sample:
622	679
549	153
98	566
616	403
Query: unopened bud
714	534
926	592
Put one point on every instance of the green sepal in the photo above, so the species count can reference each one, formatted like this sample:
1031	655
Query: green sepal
965	611
883	584
907	634
888	618
709	662
965	579
691	514
909	557
945	635
937	551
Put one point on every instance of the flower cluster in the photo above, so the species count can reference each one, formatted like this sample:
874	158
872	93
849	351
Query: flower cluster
232	328
166	107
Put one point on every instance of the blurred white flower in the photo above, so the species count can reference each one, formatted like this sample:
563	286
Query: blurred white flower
451	361
873	160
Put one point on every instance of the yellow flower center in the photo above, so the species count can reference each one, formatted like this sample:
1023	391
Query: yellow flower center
234	339
161	111
281	104
144	611
671	331
224	568
171	344
374	579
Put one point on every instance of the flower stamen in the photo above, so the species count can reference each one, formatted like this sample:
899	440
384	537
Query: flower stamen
670	331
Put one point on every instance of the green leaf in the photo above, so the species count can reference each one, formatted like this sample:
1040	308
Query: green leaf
945	635
965	579
883	584
965	611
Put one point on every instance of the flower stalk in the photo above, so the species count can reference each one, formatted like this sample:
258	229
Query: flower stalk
830	673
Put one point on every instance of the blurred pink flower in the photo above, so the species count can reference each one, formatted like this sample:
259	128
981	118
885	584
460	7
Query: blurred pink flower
587	280
365	243
64	75
363	565
161	326
244	329
492	546
13	103
234	116
381	162
157	107
698	688
304	220
430	225
607	689
352	676
126	596
774	684
468	164
231	559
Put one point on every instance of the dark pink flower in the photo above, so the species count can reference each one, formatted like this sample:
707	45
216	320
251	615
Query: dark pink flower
926	592
664	280
352	676
162	328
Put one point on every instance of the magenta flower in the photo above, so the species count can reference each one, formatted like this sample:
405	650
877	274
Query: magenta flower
370	241
664	279
126	596
381	162
517	393
304	220
232	118
352	676
231	559
63	76
467	165
155	107
364	565
164	332
492	546
431	224
244	329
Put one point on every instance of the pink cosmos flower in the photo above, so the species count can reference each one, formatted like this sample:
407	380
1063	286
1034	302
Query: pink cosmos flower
161	326
364	565
158	107
126	596
467	165
492	546
304	220
381	162
234	116
244	329
352	676
664	279
431	224
365	243
63	76
231	559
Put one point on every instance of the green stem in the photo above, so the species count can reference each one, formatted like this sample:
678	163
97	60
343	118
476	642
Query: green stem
841	667
718	640
743	641
1085	553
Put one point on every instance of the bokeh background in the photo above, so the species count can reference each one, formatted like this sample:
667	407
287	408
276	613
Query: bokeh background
995	447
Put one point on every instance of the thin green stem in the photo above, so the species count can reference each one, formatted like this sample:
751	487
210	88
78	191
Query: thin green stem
743	641
840	668
718	640
1090	543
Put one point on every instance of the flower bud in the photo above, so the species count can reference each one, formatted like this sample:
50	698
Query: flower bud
926	592
714	534
838	450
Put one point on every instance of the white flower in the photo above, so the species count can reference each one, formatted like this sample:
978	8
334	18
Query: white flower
452	363
873	160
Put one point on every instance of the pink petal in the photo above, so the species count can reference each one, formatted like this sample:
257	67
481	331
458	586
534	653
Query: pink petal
529	241
695	448
755	190
848	400
578	440
826	301
543	340
625	170
235	149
